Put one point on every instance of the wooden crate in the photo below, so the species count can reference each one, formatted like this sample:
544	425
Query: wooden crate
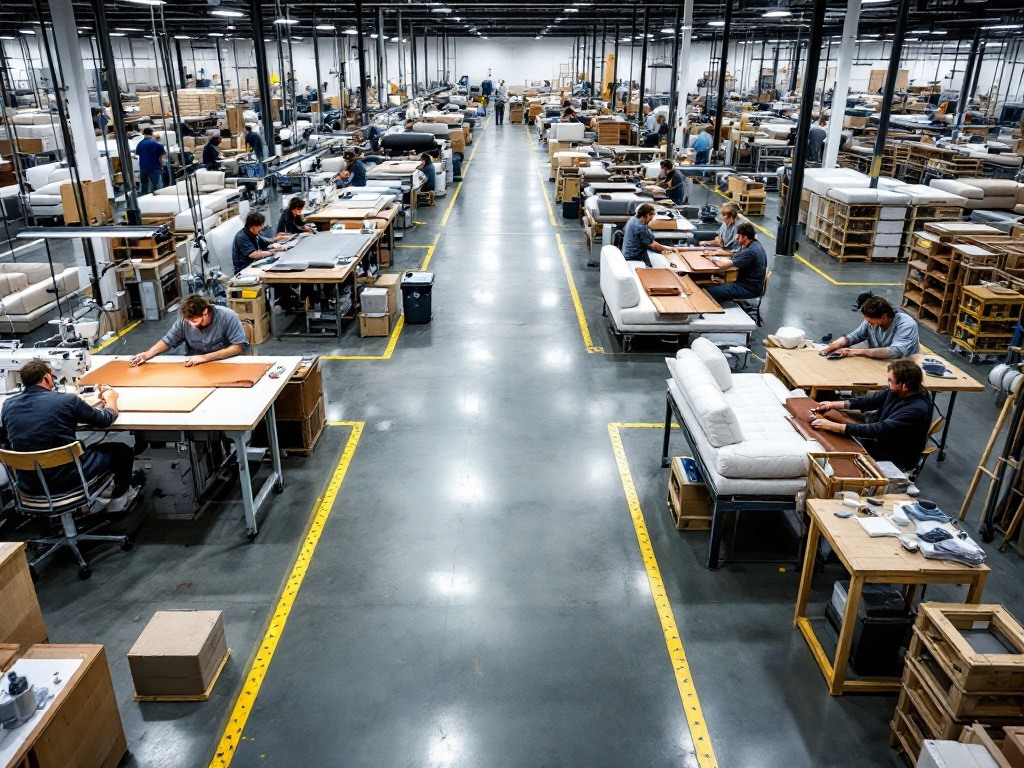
94	194
908	729
938	722
688	500
979	734
941	627
961	704
854	472
21	621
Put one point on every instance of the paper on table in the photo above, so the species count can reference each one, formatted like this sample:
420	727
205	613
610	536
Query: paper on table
878	526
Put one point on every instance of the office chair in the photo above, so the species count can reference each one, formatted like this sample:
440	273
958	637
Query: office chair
62	507
753	306
249	326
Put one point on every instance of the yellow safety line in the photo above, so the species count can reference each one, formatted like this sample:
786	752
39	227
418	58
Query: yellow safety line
832	280
451	203
581	317
699	734
412	246
547	199
264	654
389	350
120	333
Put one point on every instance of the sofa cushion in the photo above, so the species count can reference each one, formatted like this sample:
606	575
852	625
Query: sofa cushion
757	459
1019	208
717	418
995	187
714	361
208	181
619	283
958	188
12	282
35	271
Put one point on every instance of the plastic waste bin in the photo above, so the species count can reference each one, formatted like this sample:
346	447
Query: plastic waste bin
417	288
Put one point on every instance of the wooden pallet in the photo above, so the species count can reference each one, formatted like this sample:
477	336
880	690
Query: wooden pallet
960	703
204	696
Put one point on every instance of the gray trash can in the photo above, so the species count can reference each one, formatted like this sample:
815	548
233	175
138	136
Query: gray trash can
417	288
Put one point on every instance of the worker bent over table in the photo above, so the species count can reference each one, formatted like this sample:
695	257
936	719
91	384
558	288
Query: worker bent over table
209	333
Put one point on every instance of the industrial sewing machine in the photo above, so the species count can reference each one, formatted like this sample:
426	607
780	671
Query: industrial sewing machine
68	365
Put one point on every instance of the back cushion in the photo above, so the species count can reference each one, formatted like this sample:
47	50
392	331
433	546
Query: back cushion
699	388
12	282
714	361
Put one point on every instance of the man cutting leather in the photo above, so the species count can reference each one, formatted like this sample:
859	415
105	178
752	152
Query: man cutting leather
898	430
888	332
209	333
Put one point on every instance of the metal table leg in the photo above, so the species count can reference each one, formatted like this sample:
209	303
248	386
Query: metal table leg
273	484
945	427
668	430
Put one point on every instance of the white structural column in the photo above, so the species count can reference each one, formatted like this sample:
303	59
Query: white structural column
842	84
68	55
684	73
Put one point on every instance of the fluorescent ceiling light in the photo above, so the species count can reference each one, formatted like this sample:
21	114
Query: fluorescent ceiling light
146	2
127	29
27	31
215	34
227	13
1005	26
11	37
718	23
325	27
667	31
536	38
570	10
440	10
182	37
874	2
287	22
118	34
351	32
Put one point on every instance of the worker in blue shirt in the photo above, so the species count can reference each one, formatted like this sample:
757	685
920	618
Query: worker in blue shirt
151	154
751	262
354	174
702	146
211	154
638	237
672	181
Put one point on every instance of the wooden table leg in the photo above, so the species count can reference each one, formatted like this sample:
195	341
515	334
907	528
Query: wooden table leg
977	587
842	659
807	573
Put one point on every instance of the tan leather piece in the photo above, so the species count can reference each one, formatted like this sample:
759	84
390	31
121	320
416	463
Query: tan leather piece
833	442
119	373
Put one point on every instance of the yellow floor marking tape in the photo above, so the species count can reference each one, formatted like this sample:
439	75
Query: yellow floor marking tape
699	734
581	317
412	246
451	203
257	671
389	350
119	335
797	256
547	198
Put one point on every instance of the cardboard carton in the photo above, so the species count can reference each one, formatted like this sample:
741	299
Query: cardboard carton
178	653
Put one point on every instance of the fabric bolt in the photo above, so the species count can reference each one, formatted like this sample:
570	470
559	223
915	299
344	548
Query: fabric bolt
224	330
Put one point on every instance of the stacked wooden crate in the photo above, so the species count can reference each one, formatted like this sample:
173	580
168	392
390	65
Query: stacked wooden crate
152	103
919	216
917	155
953	167
145	248
850	231
748	194
965	665
614	132
198	101
986	320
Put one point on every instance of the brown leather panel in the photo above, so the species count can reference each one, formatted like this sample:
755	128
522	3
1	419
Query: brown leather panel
119	373
659	282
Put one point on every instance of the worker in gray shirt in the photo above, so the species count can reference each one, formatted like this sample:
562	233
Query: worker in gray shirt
724	243
889	333
816	141
209	333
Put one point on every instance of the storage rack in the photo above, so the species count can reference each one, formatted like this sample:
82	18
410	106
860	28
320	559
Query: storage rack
986	321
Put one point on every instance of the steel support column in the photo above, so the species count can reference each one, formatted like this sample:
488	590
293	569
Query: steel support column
723	63
364	86
643	71
842	85
262	74
889	90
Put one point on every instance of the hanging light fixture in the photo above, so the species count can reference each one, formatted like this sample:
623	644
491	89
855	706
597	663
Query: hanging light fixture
780	10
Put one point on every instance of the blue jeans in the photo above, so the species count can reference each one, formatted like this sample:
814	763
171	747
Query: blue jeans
730	291
151	179
702	157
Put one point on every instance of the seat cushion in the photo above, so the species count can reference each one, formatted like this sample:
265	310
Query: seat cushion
619	283
714	361
968	191
996	187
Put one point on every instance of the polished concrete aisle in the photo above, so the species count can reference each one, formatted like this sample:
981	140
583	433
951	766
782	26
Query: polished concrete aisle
475	569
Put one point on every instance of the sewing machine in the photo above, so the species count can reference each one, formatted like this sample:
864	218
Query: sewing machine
68	364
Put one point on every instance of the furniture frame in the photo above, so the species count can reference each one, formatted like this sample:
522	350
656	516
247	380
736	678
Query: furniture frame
720	503
880	560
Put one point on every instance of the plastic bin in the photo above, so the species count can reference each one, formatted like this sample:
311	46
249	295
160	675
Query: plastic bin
417	289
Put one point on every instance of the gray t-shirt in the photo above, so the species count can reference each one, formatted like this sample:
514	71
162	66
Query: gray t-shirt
901	337
224	330
727	233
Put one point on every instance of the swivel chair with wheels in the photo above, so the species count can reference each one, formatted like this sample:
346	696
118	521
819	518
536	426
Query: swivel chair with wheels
60	506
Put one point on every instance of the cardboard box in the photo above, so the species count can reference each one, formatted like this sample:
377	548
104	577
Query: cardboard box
260	328
178	653
301	394
688	497
21	621
248	302
390	282
374	325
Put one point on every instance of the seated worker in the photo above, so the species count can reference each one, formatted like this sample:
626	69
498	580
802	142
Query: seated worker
208	331
725	241
889	333
702	144
752	263
249	245
897	431
658	134
354	174
429	173
39	419
671	180
212	154
291	222
638	237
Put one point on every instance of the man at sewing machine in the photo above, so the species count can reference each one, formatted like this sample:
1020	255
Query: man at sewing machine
39	419
638	238
209	333
250	245
889	333
897	428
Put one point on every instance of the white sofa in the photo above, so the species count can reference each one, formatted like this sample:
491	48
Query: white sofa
633	314
737	427
569	131
24	296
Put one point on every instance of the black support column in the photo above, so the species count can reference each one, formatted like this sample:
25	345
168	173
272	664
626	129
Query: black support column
263	75
786	235
889	91
643	71
319	77
672	100
615	67
965	89
363	79
722	65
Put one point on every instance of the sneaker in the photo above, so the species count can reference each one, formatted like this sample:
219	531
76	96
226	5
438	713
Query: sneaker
278	309
121	503
913	490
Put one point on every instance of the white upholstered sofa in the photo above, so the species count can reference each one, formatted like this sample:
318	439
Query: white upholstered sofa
25	297
737	427
632	313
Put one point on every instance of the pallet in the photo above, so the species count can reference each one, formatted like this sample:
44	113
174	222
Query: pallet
204	696
960	703
908	729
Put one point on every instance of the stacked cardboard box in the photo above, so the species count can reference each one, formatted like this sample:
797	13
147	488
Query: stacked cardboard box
250	304
381	307
198	101
150	104
178	655
301	409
